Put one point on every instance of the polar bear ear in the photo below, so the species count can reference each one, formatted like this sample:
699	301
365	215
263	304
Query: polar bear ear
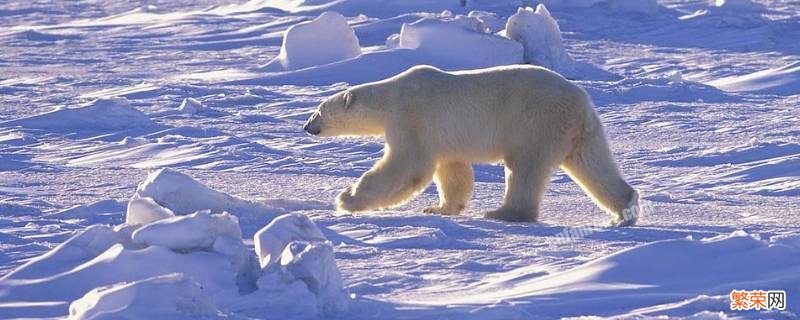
348	99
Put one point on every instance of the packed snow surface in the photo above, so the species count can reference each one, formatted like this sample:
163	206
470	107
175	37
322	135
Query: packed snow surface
153	163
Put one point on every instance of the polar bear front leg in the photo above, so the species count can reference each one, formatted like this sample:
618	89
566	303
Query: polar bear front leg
526	182
400	174
454	181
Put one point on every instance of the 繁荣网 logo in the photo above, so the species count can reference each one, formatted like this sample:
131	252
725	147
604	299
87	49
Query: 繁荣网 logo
758	300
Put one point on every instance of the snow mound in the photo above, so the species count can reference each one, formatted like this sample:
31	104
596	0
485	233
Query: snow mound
196	231
324	40
292	248
783	81
540	36
183	195
444	41
190	106
461	40
98	115
171	296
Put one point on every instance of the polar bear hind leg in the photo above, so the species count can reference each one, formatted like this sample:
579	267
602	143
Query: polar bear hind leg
592	166
526	182
454	181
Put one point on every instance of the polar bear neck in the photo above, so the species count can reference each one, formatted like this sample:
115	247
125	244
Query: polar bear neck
373	99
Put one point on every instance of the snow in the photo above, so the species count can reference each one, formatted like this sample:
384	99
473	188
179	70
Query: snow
460	41
98	115
654	273
624	6
735	4
134	134
781	80
271	241
183	267
199	230
145	210
190	106
540	37
326	39
173	296
181	194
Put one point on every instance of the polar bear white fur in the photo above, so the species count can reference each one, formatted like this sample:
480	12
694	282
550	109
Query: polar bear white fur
436	124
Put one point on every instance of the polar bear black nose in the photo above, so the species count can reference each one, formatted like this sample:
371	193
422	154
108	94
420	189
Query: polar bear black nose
310	129
313	126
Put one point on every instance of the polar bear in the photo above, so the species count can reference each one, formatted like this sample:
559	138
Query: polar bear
436	124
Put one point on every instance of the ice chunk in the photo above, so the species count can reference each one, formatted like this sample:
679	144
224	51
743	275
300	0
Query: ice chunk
195	231
490	20
324	40
145	210
540	35
271	240
314	264
190	106
170	296
183	195
292	249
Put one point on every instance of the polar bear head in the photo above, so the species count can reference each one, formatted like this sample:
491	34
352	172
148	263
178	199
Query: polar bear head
347	113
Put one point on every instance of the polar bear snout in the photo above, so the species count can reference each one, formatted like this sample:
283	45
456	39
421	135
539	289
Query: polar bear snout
314	124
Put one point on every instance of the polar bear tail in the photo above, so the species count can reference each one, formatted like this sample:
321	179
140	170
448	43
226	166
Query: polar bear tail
592	166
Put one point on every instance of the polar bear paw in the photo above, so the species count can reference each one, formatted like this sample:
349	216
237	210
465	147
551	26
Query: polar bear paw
623	222
448	211
349	203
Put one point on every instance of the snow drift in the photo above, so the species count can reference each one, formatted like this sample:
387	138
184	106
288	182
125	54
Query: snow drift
660	272
783	80
324	40
98	115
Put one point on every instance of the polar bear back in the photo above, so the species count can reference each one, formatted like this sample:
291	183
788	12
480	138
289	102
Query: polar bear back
484	115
